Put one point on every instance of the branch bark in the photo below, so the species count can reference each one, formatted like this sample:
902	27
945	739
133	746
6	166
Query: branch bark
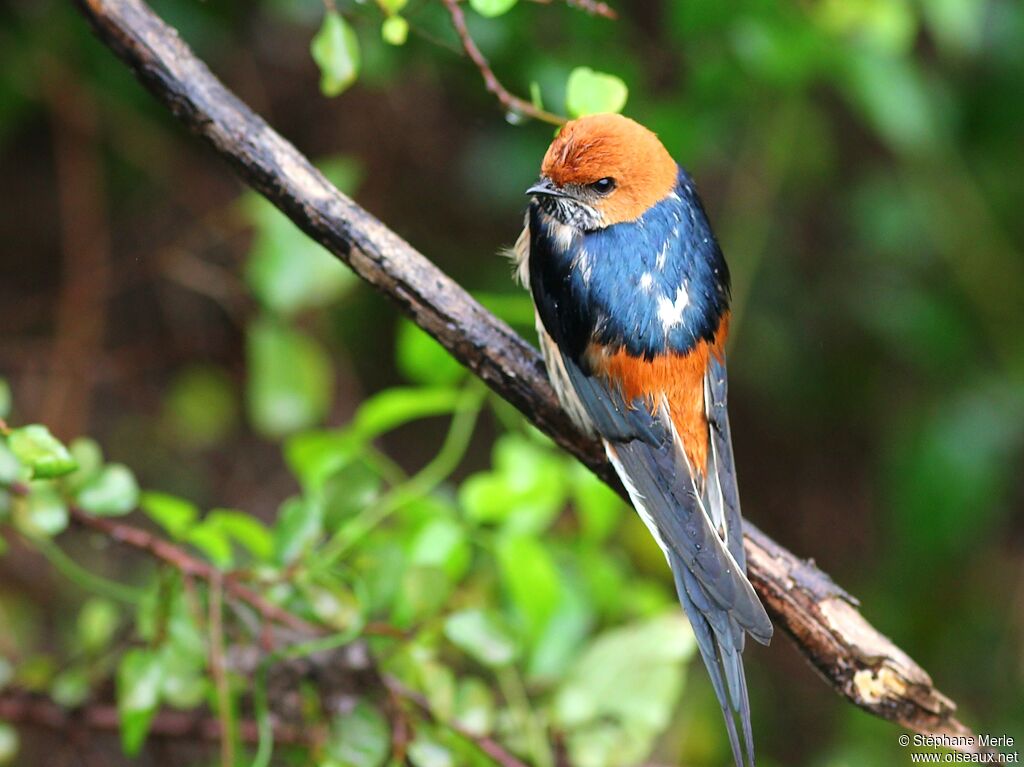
858	662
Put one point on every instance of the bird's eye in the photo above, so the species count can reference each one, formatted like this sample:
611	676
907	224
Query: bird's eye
603	185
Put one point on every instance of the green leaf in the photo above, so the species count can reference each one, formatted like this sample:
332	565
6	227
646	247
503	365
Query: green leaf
423	592
8	743
421	359
599	508
173	514
213	542
97	621
42	453
974	437
531	579
299	525
70	688
588	92
10	469
394	30
879	25
425	752
896	99
336	605
184	683
313	456
483	635
290	379
392	7
44	512
89	457
474	706
359	738
559	641
6	399
630	677
335	49
442	543
394	407
139	678
525	491
492	8
536	98
201	407
245	530
112	492
287	270
348	491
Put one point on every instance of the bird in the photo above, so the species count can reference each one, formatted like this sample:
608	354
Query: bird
631	294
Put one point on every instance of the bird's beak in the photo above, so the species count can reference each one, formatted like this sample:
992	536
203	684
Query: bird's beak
546	186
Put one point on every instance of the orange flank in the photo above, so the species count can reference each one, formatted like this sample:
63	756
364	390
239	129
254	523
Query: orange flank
678	378
615	147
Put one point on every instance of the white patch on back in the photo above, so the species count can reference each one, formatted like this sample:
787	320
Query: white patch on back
646	282
662	256
670	312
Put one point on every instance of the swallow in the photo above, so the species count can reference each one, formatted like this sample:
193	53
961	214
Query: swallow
631	293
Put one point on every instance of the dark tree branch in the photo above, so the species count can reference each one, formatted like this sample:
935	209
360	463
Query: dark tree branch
857	661
38	711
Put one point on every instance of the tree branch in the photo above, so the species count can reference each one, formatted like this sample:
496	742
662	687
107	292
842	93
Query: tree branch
857	661
38	711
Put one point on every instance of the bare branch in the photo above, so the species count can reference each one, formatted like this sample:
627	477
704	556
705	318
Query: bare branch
491	82
857	661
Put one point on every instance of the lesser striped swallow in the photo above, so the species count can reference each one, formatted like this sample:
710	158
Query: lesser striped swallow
631	293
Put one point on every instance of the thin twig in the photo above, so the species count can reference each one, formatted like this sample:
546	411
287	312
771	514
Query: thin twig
491	82
593	7
218	669
189	565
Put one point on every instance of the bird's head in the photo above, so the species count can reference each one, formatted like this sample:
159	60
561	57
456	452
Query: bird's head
602	170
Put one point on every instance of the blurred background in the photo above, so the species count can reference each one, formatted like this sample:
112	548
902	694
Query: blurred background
861	161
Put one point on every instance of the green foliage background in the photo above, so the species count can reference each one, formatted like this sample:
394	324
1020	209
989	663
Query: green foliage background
861	162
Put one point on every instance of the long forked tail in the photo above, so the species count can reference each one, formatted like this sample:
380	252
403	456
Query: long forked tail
720	640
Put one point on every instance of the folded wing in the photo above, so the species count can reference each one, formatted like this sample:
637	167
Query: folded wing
686	494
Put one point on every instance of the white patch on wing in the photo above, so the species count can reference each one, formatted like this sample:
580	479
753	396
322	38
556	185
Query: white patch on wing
662	256
670	311
646	282
637	499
